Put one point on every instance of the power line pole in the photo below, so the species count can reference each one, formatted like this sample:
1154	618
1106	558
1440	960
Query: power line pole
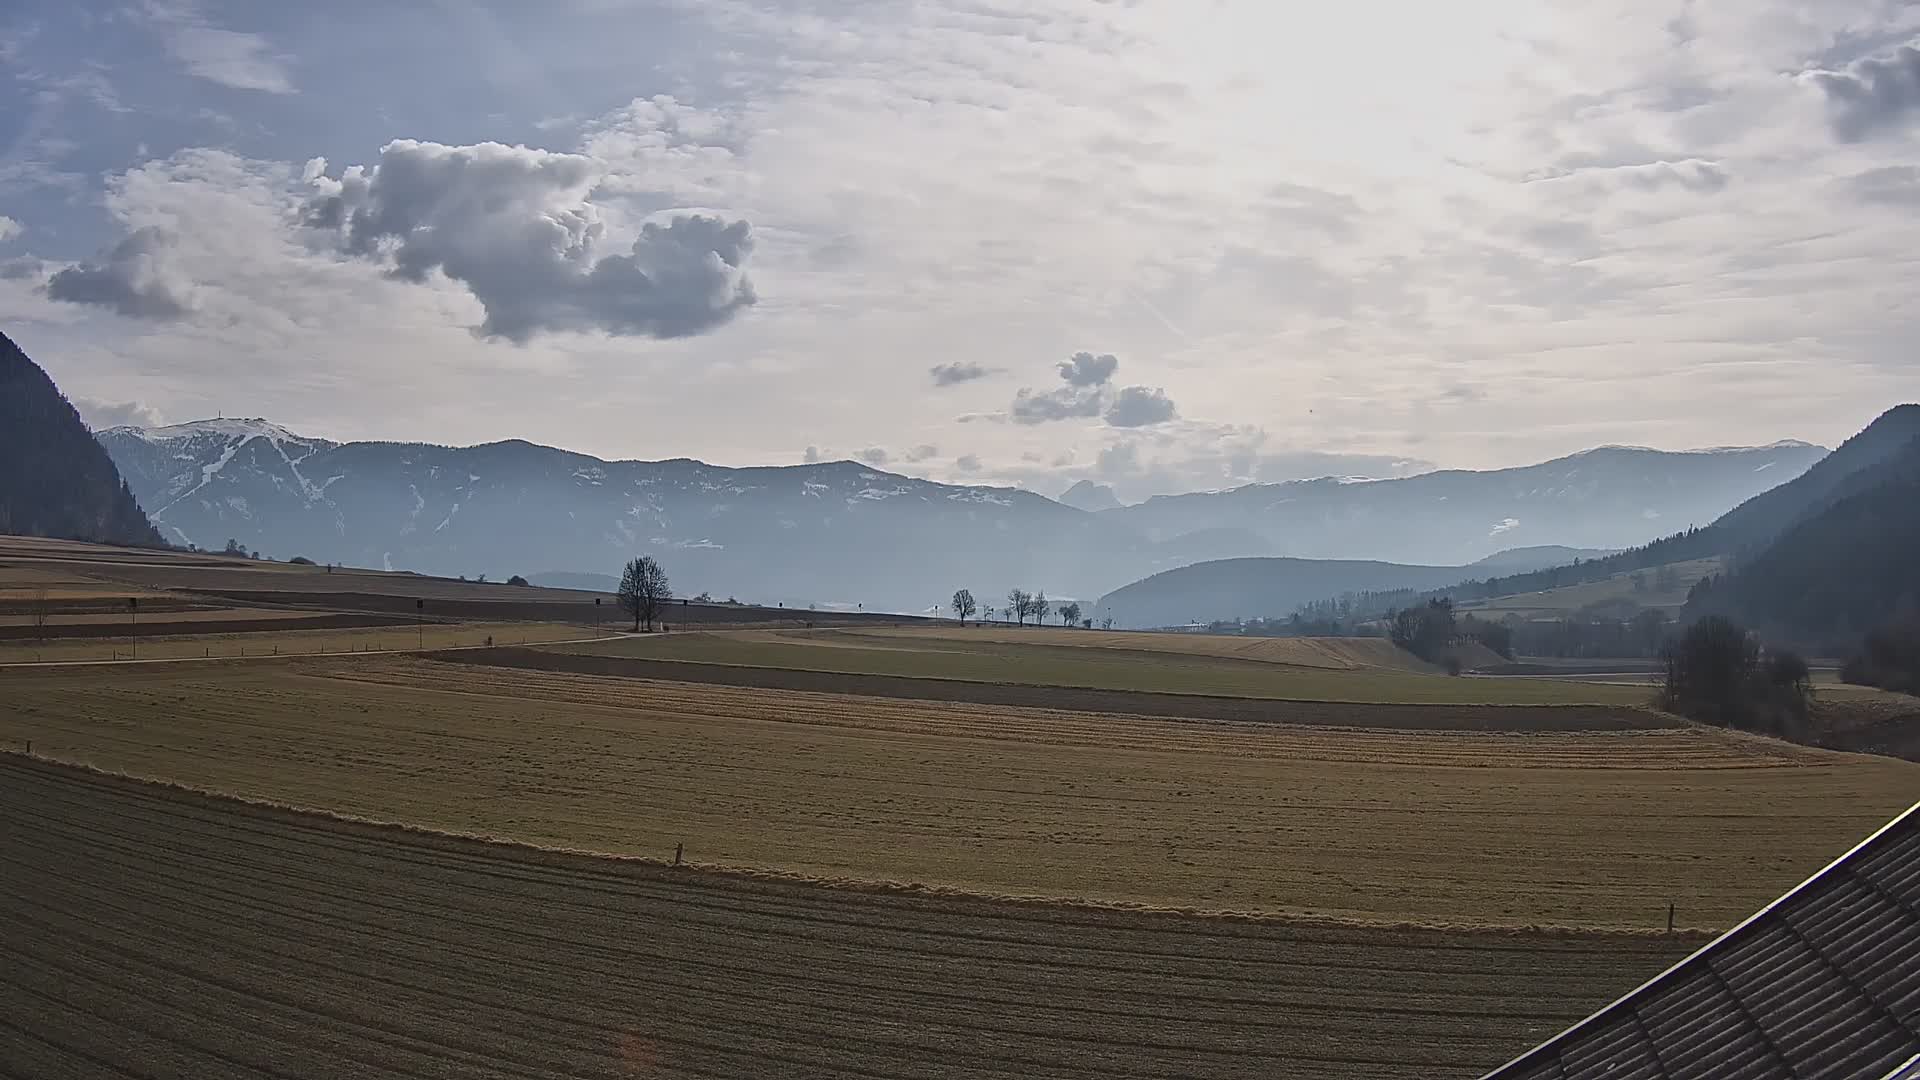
420	620
133	606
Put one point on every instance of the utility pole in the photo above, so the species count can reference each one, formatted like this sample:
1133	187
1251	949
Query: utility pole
420	620
133	607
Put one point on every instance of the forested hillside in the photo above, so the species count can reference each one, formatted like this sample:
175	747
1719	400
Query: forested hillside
1847	569
55	480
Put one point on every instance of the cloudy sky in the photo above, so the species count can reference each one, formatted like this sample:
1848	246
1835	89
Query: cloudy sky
1163	243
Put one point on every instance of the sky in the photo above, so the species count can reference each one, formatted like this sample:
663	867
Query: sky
1161	245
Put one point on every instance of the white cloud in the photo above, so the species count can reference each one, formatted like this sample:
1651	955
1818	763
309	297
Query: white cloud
100	415
1719	254
236	60
9	228
519	227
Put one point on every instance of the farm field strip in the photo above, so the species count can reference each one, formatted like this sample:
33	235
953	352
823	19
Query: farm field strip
1336	654
1572	829
387	635
209	939
1080	667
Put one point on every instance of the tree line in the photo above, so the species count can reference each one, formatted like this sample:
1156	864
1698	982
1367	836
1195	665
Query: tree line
1022	607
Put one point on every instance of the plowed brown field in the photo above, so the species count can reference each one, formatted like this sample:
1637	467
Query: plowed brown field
1566	828
151	932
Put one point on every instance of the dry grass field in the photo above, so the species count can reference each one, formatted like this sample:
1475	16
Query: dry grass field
289	641
1338	670
1335	654
1588	829
147	931
90	577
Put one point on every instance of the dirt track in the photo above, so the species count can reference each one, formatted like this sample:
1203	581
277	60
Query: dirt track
1534	718
146	931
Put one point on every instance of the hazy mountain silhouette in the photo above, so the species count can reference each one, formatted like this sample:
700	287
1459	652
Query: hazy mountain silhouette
835	532
55	480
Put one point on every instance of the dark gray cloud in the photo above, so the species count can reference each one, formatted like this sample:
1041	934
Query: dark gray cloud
1140	406
1065	403
517	227
960	371
130	279
922	452
1088	393
812	456
873	456
101	415
1871	94
1086	369
967	463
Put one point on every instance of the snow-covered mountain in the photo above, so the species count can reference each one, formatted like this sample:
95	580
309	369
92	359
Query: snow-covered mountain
840	532
833	532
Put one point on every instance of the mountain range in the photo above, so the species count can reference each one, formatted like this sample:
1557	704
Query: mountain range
1820	556
841	533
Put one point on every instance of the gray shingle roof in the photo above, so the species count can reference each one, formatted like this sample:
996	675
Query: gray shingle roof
1823	982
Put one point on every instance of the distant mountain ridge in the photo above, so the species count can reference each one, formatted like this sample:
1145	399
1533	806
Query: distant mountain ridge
1608	497
829	533
55	480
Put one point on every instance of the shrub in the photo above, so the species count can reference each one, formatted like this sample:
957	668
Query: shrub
1716	674
516	580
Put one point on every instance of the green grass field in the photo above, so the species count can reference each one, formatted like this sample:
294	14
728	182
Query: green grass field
1568	599
957	654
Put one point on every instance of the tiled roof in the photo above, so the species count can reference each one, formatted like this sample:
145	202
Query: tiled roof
1823	982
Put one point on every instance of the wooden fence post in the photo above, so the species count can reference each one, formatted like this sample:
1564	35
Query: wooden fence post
678	850
1669	918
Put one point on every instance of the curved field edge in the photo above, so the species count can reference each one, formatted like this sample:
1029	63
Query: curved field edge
1580	829
157	931
720	872
1429	716
1036	663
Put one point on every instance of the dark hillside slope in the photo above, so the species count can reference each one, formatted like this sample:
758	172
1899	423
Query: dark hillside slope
1846	569
1257	588
55	480
1759	520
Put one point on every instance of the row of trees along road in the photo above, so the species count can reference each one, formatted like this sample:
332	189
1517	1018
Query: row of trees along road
1021	606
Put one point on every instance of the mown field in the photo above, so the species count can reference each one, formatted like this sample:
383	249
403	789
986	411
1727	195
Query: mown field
1491	828
151	932
189	641
1159	663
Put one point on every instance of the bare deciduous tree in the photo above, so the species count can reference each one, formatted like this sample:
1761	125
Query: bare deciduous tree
1039	609
964	605
1069	613
1019	602
643	589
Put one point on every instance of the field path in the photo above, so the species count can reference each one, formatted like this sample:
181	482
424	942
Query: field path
153	932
